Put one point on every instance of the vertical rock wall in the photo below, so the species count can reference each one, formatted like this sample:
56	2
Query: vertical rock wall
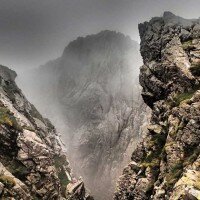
166	164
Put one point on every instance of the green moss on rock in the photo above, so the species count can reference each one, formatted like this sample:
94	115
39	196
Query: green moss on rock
185	95
173	175
18	169
153	163
187	45
60	162
153	158
8	119
7	181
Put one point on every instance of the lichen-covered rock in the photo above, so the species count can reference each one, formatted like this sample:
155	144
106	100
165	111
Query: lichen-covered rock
166	163
33	164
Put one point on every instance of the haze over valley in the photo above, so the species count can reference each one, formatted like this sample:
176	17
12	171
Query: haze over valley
99	99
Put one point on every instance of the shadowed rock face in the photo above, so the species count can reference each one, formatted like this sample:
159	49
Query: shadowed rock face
94	87
166	164
32	162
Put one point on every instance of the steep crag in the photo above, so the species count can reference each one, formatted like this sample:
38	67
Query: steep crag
166	164
33	164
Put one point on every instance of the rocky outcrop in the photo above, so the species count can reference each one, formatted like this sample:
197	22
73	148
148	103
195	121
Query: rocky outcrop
166	164
33	164
94	88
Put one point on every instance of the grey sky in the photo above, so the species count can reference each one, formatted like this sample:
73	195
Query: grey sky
35	31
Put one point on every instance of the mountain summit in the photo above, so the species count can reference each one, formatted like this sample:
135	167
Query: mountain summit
94	88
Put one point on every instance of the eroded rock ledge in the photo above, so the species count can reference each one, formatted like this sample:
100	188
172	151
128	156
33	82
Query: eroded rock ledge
166	164
33	164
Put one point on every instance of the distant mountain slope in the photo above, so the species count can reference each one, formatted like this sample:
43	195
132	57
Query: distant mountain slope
32	162
94	87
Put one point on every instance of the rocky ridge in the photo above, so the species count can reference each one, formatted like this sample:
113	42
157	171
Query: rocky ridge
33	164
166	164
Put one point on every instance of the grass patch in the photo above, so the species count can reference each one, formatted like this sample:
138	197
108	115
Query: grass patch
7	181
173	175
7	118
181	97
59	162
18	170
153	158
187	45
185	95
64	181
154	163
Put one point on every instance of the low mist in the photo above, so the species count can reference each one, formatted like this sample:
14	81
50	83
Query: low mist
94	101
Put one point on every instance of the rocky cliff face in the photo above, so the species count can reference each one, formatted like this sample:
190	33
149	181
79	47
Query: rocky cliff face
32	162
166	164
94	88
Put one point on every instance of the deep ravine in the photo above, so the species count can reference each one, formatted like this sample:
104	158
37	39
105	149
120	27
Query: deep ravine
95	102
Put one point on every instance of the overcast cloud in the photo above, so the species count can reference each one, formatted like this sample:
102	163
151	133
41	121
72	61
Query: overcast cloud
35	31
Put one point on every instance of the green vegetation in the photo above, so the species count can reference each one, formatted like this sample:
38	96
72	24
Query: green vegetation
155	162
185	95
153	158
59	162
18	169
8	119
157	140
195	69
173	175
187	45
181	97
14	166
7	181
64	181
176	167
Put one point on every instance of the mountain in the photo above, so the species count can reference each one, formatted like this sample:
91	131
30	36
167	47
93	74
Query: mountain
94	89
33	164
166	164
